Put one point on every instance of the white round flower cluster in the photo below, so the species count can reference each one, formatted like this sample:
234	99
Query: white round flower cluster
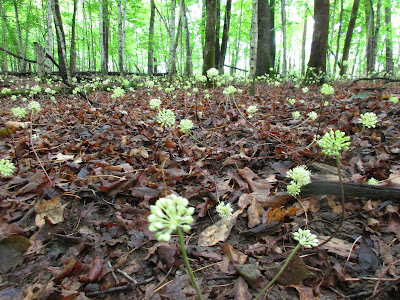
168	214
224	210
368	119
6	168
306	238
166	118
186	125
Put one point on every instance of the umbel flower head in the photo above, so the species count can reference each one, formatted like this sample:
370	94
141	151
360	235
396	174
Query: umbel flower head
312	115
327	89
166	118
368	119
333	142
296	115
213	72
300	177
19	112
305	238
168	214
251	110
186	125
224	210
155	103
230	90
6	168
34	106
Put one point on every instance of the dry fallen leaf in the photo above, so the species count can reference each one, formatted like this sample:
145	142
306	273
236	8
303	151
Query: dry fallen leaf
52	210
219	231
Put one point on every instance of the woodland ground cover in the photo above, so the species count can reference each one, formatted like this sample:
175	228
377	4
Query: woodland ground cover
77	228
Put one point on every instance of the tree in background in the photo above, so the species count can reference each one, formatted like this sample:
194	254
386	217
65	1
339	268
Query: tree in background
316	67
209	49
266	38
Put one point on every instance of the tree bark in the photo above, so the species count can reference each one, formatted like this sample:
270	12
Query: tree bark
172	52
188	60
370	37
316	67
72	51
388	40
62	61
225	36
235	51
121	34
22	66
253	46
349	35
209	49
104	34
338	38
150	49
266	38
3	27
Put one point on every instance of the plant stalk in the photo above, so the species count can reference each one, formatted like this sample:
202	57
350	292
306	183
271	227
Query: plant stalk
287	261
187	264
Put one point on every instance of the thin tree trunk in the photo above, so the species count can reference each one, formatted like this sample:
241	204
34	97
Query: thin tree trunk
225	36
3	27
172	53
284	59
49	44
235	55
388	40
28	23
72	52
217	30
266	39
19	40
370	38
303	42
376	31
338	38
103	16
253	46
188	60
150	49
349	35
121	34
62	61
332	26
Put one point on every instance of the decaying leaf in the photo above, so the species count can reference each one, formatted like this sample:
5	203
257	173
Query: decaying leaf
219	231
11	251
51	210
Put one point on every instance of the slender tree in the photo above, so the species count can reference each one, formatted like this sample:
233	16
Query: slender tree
253	46
388	39
225	36
349	35
303	42
188	60
209	49
316	67
22	64
3	27
172	51
104	34
284	58
72	52
338	37
150	49
121	34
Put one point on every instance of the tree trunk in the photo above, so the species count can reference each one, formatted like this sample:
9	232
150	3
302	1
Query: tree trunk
376	31
150	49
253	46
316	67
3	27
388	40
19	40
284	58
217	29
225	36
172	52
121	34
303	42
209	49
266	38
188	60
104	33
235	51
370	37
330	47
338	38
72	53
349	34
27	32
62	61
49	44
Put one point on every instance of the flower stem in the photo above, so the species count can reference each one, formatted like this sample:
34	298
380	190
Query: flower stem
342	202
187	265
288	259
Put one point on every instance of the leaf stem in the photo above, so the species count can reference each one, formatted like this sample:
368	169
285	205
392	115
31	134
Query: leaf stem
187	264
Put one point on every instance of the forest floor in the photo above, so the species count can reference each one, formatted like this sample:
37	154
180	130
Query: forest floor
79	230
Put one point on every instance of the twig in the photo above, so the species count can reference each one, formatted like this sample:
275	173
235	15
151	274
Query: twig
119	288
